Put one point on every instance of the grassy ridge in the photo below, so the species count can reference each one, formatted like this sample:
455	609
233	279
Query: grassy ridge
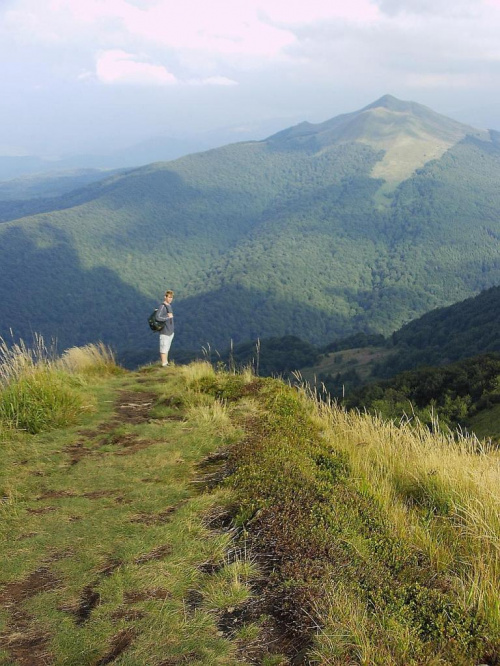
203	517
380	544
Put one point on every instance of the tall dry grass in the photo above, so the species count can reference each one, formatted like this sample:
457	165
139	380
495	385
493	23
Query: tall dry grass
94	358
440	492
39	391
18	359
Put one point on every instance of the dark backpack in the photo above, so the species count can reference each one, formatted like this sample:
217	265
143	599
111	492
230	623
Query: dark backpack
153	322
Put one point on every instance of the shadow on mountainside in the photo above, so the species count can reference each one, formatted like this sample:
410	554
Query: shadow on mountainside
48	291
240	314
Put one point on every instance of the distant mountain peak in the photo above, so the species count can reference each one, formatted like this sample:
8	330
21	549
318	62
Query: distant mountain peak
410	134
391	103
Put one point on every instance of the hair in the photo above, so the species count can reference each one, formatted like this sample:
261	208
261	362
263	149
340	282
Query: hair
169	292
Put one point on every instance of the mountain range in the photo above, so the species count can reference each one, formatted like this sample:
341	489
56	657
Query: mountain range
358	224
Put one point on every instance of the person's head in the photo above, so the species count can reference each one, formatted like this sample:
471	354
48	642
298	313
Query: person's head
169	294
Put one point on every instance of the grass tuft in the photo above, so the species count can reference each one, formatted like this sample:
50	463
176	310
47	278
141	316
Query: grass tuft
39	391
92	359
40	400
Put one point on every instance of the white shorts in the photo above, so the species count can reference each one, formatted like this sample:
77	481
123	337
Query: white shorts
165	342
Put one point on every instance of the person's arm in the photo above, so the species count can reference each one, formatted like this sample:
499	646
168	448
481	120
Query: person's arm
162	313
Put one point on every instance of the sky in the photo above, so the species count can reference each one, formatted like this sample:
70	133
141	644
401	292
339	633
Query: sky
98	75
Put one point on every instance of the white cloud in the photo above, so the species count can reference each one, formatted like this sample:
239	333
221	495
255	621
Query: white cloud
221	26
431	7
294	12
216	81
116	66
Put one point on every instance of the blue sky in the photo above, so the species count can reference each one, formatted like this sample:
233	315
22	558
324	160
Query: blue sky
95	75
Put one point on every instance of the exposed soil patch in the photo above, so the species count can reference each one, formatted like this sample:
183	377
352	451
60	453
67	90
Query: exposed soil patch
220	518
146	595
78	451
193	600
28	535
134	407
16	592
234	618
119	644
89	599
58	555
53	494
97	494
43	509
121	439
26	647
271	640
123	500
211	568
155	554
110	566
131	444
213	470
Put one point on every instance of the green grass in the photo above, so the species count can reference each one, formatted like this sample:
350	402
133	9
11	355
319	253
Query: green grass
376	583
215	518
40	401
109	535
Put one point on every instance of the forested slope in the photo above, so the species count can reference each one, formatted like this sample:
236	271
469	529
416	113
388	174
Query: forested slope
293	235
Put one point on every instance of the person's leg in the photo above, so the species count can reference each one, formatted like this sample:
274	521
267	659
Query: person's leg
163	349
165	342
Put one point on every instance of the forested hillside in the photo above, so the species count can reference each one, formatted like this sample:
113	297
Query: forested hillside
445	363
318	232
448	334
465	395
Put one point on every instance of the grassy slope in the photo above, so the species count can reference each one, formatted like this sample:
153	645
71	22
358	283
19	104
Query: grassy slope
104	537
305	535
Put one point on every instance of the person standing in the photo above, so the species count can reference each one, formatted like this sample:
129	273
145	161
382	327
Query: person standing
165	313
